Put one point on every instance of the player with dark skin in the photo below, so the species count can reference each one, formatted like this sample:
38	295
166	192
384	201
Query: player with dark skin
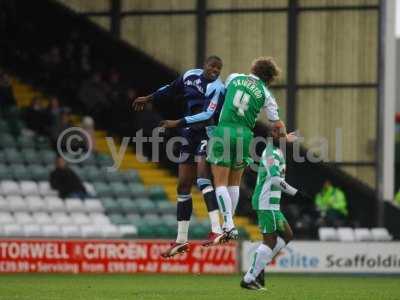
286	234
189	171
212	70
274	227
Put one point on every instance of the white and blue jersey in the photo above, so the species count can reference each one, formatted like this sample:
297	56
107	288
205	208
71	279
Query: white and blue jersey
203	101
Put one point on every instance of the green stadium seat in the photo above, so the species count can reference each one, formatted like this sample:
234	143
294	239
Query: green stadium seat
102	189
118	219
134	219
169	219
145	206
131	176
127	205
119	189
4	126
111	206
137	190
2	157
157	193
13	156
116	176
104	160
153	219
166	207
4	172
7	141
39	172
92	173
198	231
42	143
20	172
164	232
47	157
15	125
30	156
89	161
146	231
25	142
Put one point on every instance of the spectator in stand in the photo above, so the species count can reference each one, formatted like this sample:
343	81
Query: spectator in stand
332	205
397	198
66	182
7	99
53	112
93	95
35	117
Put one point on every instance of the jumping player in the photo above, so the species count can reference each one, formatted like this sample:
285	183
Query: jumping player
202	90
229	153
266	201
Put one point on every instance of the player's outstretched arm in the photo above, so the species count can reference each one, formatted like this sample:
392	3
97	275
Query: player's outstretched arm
290	137
170	123
166	92
288	189
139	103
197	118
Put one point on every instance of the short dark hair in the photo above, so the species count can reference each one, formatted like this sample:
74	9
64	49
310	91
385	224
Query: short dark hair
266	69
213	57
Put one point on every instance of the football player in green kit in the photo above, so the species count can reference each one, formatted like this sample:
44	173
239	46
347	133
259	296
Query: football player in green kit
266	199
229	148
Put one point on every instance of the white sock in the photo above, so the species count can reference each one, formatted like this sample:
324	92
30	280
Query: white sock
280	243
234	194
183	229
225	206
262	257
214	219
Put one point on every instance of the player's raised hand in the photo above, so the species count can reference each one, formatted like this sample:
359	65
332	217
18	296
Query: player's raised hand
303	196
139	103
292	137
169	123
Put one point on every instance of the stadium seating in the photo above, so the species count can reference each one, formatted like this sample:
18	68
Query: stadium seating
362	234
347	234
381	234
119	204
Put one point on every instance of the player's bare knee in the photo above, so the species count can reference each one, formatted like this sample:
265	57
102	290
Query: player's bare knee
287	235
269	240
184	187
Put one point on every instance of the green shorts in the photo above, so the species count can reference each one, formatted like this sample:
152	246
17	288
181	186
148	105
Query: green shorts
229	147
271	221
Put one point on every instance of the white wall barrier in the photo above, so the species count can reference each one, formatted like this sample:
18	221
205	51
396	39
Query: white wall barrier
335	257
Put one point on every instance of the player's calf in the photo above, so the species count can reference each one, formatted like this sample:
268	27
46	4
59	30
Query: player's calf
210	199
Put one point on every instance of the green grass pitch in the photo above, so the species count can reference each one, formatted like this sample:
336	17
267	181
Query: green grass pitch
207	287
